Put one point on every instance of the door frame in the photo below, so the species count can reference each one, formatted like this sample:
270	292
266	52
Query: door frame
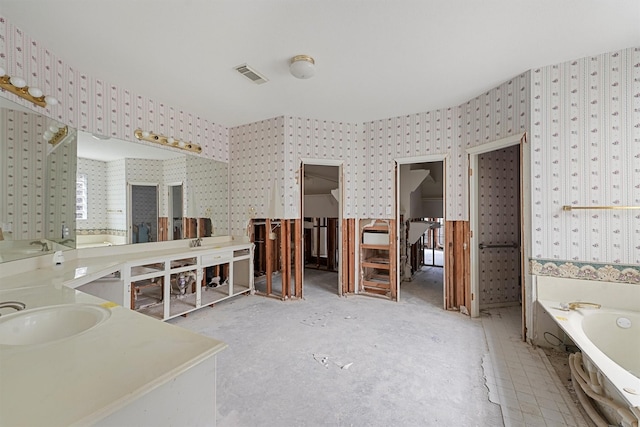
322	162
170	214
130	185
525	233
430	158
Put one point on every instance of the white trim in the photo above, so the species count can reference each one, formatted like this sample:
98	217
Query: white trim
142	183
421	159
496	145
170	213
321	162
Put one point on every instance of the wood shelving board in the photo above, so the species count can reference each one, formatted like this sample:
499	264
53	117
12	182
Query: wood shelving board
378	264
373	246
384	228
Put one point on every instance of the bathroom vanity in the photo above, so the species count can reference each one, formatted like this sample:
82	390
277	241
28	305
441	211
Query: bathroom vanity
173	282
122	367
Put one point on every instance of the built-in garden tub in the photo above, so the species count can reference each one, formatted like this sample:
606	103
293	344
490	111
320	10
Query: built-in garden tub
606	370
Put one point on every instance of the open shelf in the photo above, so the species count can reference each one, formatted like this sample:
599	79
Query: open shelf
377	275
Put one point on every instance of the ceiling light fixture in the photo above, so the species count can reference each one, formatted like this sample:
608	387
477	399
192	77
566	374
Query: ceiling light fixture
302	67
55	133
168	141
18	86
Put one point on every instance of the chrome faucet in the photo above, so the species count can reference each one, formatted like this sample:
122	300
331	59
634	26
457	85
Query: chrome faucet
66	241
196	243
45	245
17	305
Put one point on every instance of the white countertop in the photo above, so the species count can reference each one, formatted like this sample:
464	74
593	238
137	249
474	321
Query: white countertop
92	264
82	379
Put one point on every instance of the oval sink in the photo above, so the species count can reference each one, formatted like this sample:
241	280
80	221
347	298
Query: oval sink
51	323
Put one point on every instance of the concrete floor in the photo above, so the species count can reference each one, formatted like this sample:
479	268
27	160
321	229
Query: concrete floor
354	361
366	361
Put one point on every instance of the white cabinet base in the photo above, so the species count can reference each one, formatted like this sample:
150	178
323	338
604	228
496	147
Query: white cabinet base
187	400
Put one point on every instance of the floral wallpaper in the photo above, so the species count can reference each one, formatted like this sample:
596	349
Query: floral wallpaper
95	171
23	159
117	197
497	113
585	151
257	172
320	140
96	106
207	190
583	117
61	189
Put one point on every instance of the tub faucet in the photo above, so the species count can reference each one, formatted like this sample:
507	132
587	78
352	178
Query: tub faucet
17	305
66	241
196	243
575	305
45	245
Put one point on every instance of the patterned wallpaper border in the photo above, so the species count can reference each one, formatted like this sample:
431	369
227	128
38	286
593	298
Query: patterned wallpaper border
587	271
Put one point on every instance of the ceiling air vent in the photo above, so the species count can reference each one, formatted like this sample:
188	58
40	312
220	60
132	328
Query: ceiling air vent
251	74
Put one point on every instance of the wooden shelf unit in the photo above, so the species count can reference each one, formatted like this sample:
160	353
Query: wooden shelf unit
377	258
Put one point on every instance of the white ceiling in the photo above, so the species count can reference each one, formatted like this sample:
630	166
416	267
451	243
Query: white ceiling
375	58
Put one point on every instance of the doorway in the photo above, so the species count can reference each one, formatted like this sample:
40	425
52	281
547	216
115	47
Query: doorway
321	210
143	212
497	226
420	213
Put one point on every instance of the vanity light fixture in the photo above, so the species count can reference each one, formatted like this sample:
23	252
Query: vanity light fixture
302	67
168	141
18	86
55	133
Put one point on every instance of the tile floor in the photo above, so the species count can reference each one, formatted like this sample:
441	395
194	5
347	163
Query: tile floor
520	377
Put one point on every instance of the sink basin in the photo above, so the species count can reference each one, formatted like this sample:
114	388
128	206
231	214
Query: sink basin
51	323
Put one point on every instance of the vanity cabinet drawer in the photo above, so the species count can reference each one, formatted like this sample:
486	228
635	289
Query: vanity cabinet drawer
216	258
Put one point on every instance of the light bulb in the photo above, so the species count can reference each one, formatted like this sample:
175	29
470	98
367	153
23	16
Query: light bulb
47	135
35	92
18	82
145	134
54	128
181	144
50	100
170	140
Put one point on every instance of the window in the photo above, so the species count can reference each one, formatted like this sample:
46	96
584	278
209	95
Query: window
81	196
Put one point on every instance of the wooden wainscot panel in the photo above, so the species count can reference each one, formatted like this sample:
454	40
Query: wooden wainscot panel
457	262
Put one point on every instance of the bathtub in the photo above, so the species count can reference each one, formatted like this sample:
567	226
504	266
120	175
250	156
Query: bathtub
609	340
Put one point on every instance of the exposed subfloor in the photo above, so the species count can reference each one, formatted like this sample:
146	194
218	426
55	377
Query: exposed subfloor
352	361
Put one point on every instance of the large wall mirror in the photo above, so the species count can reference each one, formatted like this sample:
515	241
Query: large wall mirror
131	193
37	184
86	191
